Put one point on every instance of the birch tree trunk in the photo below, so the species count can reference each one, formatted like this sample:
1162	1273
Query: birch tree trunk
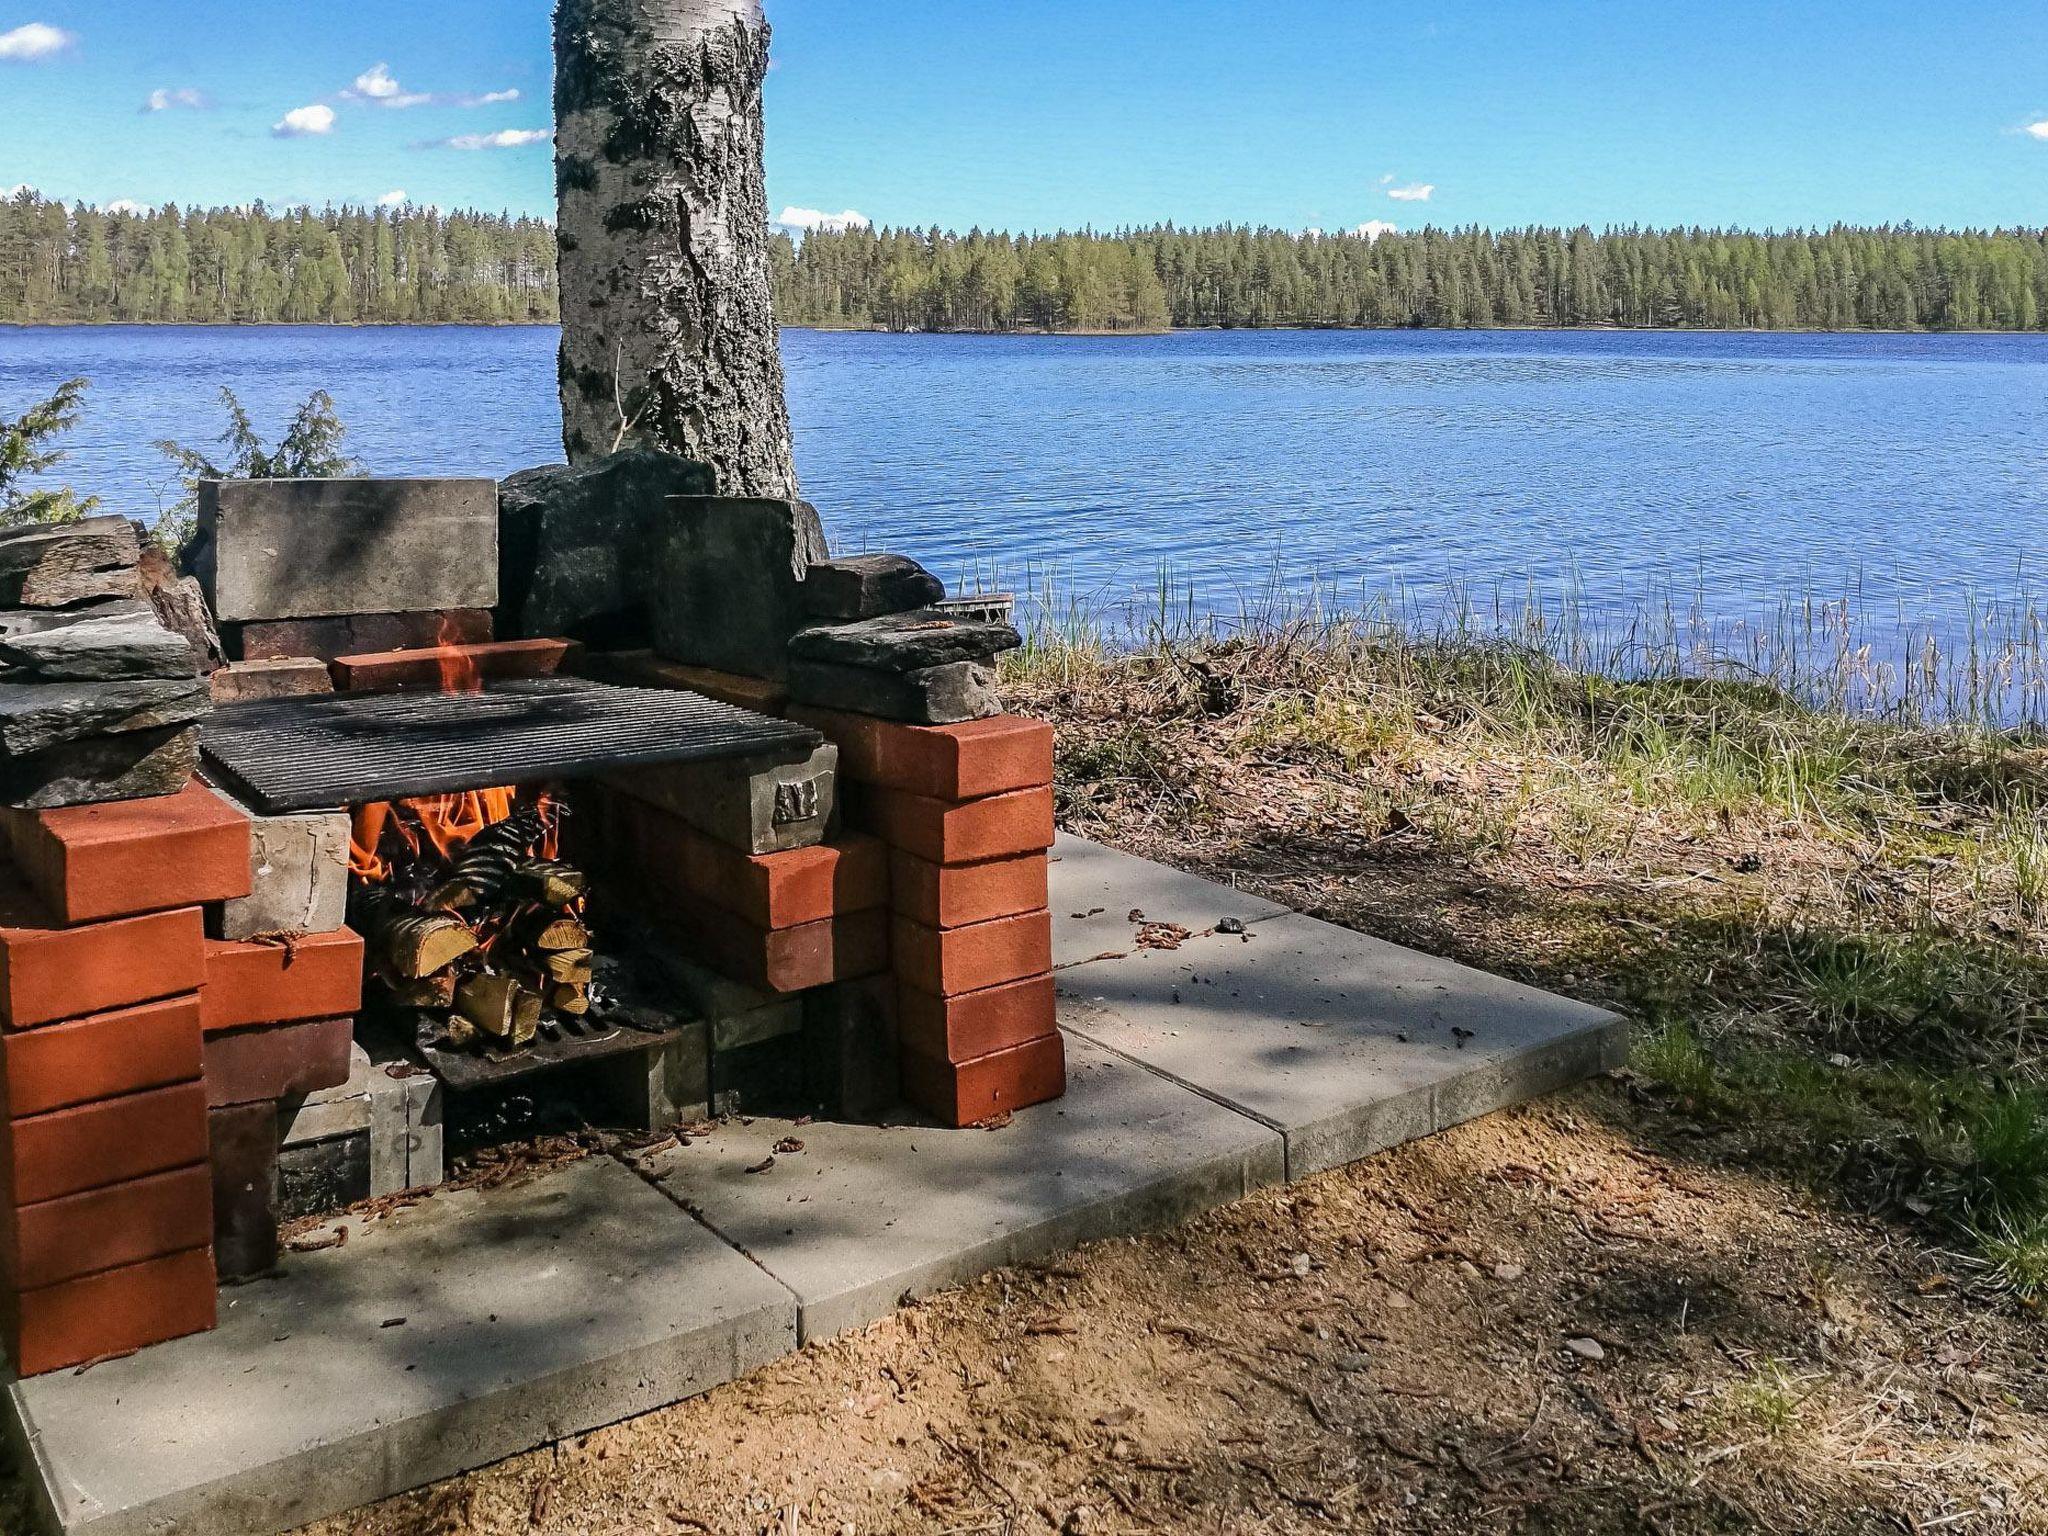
668	326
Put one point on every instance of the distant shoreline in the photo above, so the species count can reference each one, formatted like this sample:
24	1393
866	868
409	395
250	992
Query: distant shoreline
1036	333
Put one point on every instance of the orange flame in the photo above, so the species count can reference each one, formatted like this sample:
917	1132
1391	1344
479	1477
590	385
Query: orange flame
459	671
443	823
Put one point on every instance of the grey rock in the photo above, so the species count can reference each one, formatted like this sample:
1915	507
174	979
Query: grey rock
949	695
37	716
59	565
728	581
572	542
97	646
34	621
137	766
869	586
180	605
303	549
905	642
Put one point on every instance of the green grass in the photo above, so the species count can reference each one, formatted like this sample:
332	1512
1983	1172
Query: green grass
1869	1007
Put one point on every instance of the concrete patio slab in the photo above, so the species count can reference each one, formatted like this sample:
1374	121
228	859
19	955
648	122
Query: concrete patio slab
480	1325
1096	889
1345	1044
468	1329
865	1216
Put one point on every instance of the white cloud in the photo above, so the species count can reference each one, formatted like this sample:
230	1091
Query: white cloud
2039	130
396	199
1414	192
378	87
124	205
1372	229
165	99
804	220
304	123
504	138
37	40
1387	180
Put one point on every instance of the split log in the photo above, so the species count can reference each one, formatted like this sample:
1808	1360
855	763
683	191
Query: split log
550	883
558	935
570	965
572	1000
500	1007
433	993
419	944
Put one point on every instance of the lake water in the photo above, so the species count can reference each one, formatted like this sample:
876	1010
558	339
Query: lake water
1907	473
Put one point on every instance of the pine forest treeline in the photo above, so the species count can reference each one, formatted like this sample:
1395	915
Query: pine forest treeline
63	264
254	266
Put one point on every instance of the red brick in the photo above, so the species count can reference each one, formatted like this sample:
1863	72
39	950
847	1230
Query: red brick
770	890
102	1057
941	762
449	668
948	832
784	960
114	1313
92	862
357	634
106	1228
319	976
277	1061
978	1023
69	1151
50	973
644	669
948	962
952	896
285	677
971	1092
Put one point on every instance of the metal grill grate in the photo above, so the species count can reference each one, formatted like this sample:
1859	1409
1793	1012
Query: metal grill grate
282	755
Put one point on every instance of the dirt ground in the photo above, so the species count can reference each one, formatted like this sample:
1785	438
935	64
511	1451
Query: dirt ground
1565	1319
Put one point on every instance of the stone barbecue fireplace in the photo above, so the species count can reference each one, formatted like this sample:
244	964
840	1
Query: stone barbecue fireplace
427	815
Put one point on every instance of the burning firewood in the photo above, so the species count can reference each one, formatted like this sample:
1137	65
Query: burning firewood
500	1007
418	945
550	882
435	993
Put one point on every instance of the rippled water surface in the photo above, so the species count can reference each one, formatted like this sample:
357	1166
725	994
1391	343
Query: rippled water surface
1909	471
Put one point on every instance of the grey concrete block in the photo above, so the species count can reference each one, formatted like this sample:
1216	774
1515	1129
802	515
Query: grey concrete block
281	677
865	1215
852	1053
1347	1044
299	877
757	805
309	1122
777	1021
390	1124
531	1313
301	549
319	1177
426	1150
667	1085
726	581
1096	889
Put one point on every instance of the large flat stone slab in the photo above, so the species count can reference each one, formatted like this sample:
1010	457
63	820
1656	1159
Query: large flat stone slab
529	1313
309	549
1096	889
865	1216
1346	1044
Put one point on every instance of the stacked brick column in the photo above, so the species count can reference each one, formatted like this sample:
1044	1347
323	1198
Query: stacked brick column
120	1024
967	814
108	1214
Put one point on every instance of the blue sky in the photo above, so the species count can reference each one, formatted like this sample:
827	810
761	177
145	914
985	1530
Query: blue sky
1056	113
